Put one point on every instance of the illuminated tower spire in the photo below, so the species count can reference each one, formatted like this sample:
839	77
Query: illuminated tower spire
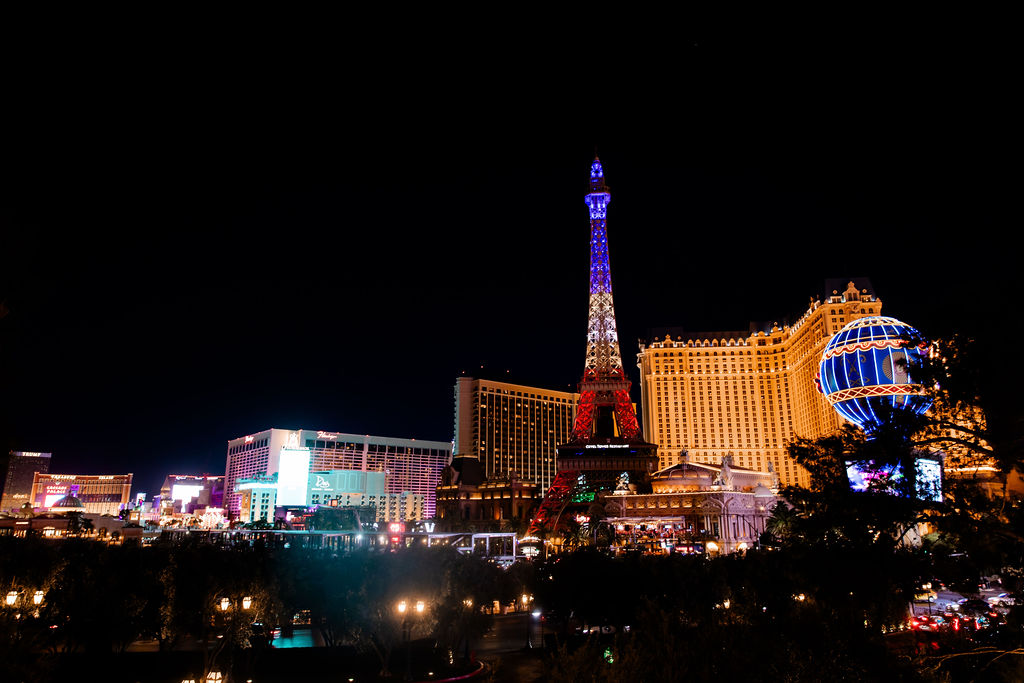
603	358
605	409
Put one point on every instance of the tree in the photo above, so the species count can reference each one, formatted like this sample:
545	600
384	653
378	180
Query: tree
977	407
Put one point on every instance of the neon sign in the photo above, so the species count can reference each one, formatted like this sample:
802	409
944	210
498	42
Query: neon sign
326	435
250	439
607	445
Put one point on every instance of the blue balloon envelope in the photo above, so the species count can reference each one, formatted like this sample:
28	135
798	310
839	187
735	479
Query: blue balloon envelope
865	370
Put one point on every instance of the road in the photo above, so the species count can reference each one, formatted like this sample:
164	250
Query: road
942	598
504	648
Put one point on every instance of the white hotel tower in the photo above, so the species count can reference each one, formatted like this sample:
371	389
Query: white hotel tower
411	465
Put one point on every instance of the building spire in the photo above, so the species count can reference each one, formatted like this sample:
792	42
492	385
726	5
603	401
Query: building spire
605	409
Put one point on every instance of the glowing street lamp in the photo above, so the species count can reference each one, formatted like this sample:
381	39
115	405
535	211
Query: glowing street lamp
420	606
401	607
224	604
37	598
246	602
12	597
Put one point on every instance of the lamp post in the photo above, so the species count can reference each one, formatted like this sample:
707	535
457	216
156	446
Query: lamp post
526	601
468	603
407	611
228	609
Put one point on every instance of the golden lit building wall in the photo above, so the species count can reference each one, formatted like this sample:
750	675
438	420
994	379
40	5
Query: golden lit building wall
512	428
101	494
745	394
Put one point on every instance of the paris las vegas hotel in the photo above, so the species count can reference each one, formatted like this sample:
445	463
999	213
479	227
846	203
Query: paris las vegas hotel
746	394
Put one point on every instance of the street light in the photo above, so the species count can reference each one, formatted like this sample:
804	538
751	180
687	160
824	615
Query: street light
526	599
37	598
230	625
404	607
12	597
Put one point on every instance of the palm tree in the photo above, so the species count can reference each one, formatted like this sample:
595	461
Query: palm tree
782	522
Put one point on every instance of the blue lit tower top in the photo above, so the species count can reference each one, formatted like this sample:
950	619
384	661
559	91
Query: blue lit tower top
604	361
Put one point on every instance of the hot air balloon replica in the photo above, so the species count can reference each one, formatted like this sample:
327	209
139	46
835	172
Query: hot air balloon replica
865	370
865	374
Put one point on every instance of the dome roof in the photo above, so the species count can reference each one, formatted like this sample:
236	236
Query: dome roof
69	503
762	490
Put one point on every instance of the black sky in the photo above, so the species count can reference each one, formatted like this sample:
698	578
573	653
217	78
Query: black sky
195	248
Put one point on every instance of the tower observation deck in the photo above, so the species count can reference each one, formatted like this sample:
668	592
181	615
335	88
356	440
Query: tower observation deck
606	449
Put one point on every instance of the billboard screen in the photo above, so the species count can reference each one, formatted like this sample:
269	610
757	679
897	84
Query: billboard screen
185	492
293	476
888	478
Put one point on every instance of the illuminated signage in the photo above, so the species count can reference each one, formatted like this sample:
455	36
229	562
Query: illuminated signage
890	478
396	527
62	476
250	439
53	493
607	445
185	492
326	435
322	484
293	475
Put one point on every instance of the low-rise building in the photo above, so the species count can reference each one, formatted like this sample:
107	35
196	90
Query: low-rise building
186	493
695	507
466	498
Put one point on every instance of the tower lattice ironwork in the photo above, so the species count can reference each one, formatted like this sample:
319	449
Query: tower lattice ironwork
606	449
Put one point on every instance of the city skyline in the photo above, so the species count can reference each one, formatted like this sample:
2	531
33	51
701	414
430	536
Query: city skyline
169	284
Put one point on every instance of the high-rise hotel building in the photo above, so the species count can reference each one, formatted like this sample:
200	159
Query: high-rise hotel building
512	428
411	465
17	469
746	394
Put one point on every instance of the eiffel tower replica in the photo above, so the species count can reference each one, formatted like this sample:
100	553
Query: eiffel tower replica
606	450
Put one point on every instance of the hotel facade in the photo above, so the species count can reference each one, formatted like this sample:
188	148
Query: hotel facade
511	428
746	394
411	466
101	494
17	470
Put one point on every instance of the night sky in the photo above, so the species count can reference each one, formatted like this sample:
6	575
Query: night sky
197	249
